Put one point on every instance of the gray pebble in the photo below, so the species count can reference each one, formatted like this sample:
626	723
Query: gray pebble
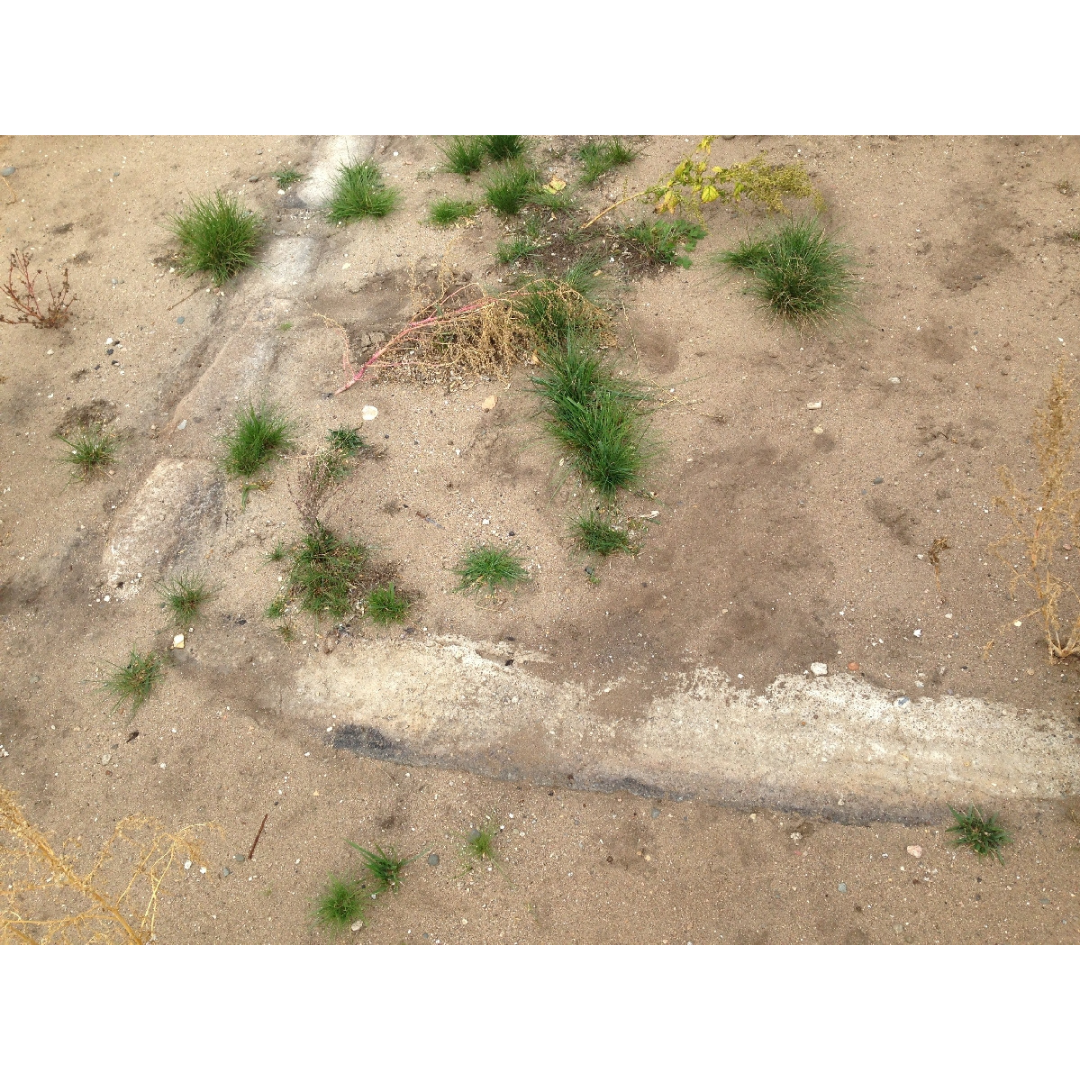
225	871
902	701
7	170
253	179
879	479
180	319
115	281
432	860
842	887
655	812
474	834
240	858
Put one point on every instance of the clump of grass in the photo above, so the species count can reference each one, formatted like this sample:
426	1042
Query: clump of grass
384	866
446	212
260	433
386	605
596	535
559	201
596	416
346	441
501	148
982	834
478	845
287	177
801	274
134	682
661	238
92	450
340	905
486	566
326	570
555	312
285	326
464	154
360	192
217	236
184	596
287	632
277	552
510	188
525	243
601	156
276	608
583	275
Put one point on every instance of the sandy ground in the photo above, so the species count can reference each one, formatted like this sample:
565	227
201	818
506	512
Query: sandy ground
776	545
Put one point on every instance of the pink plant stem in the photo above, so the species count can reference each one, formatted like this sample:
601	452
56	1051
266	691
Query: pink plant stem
353	377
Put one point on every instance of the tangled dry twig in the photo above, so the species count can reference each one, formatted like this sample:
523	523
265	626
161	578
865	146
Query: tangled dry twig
21	291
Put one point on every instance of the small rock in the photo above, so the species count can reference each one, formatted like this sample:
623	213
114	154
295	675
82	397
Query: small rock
181	425
7	170
369	412
106	758
813	404
225	871
180	319
819	668
187	864
253	179
819	431
914	851
894	380
879	480
433	859
916	633
178	641
356	926
489	403
109	341
655	812
240	858
902	701
842	887
853	666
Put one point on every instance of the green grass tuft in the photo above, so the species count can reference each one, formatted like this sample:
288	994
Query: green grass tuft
602	156
92	451
326	570
340	905
260	433
582	275
446	212
478	845
217	236
384	866
595	535
982	834
287	177
490	567
501	148
510	189
276	608
800	273
135	681
277	553
661	238
597	417
184	596
347	441
464	154
360	192
386	605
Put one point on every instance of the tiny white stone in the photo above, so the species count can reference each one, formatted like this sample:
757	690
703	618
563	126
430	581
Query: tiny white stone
813	404
178	641
917	633
894	379
819	668
369	412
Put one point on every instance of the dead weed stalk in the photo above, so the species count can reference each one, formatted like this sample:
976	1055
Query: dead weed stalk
21	292
47	898
1047	521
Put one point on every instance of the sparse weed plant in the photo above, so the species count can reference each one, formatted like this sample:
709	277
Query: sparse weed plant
982	834
486	566
340	905
661	238
478	845
447	212
346	441
218	236
799	273
598	157
500	148
92	450
260	433
286	178
596	535
133	683
384	866
184	596
464	154
360	192
386	605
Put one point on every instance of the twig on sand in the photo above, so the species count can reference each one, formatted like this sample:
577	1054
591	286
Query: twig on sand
251	853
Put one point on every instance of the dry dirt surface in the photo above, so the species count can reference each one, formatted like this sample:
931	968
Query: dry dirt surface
644	733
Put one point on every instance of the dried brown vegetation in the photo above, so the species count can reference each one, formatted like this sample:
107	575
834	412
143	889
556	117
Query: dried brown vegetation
21	292
59	897
1046	522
